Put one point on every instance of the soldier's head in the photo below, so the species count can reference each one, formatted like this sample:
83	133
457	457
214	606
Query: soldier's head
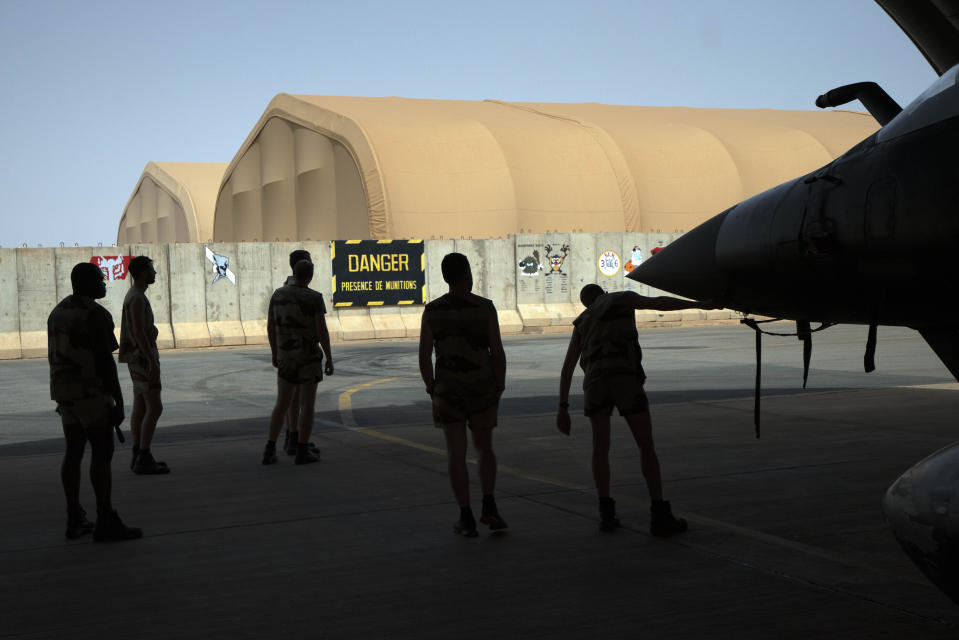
299	254
303	272
456	270
589	293
88	281
142	271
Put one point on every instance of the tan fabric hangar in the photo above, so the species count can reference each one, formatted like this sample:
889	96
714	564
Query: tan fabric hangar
172	202
329	167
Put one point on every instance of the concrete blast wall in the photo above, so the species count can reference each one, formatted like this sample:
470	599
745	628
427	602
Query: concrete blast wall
217	294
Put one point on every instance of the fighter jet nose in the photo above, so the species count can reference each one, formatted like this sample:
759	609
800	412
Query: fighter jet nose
922	509
687	267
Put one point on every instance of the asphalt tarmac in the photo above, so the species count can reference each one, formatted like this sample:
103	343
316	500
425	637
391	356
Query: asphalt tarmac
786	536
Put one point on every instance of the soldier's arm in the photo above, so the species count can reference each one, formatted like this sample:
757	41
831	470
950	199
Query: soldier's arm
104	344
323	334
426	354
563	422
271	330
665	303
497	353
138	319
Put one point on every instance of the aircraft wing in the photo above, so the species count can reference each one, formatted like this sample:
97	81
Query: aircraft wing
932	25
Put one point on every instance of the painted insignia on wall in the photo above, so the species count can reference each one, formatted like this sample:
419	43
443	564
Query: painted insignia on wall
221	266
635	259
556	260
609	263
113	267
530	265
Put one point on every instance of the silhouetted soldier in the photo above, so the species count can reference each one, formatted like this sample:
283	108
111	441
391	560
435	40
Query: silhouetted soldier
83	382
138	348
295	324
606	343
293	412
468	381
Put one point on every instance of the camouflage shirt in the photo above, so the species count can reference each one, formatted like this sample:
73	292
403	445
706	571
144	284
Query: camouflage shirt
129	349
460	327
609	340
80	342
293	310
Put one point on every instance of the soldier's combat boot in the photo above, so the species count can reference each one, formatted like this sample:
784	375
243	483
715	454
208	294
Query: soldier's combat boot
289	443
490	515
306	455
662	522
607	515
466	525
269	452
111	529
77	523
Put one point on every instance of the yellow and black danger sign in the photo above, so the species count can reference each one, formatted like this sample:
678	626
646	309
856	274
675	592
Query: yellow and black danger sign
378	272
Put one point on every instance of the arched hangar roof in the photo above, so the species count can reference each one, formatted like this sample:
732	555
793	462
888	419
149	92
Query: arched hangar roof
172	202
332	167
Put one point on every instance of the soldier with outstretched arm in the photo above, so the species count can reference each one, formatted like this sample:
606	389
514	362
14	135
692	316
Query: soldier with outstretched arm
606	344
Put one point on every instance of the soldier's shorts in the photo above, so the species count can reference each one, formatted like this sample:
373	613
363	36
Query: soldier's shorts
140	375
90	413
479	412
300	372
624	392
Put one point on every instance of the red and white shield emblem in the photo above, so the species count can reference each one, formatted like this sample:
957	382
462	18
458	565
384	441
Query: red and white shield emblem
113	267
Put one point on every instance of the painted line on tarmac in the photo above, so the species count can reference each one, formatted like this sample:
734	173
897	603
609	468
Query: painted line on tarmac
346	402
625	498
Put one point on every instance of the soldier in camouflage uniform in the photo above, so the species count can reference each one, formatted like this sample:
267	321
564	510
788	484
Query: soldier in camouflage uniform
606	343
138	348
291	437
465	387
84	384
295	325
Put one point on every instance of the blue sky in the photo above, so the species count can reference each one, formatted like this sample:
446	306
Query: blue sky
92	91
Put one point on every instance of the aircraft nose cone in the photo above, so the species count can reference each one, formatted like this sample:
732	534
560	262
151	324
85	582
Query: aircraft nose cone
687	267
922	509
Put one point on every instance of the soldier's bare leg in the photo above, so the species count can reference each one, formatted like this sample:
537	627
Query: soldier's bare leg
153	408
101	454
600	462
456	460
293	413
136	419
305	400
70	468
642	427
284	392
483	440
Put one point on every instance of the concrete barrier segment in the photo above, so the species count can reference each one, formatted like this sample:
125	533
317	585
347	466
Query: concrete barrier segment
9	306
37	293
509	321
435	250
387	322
224	271
355	324
565	312
537	315
500	271
255	284
412	317
188	280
